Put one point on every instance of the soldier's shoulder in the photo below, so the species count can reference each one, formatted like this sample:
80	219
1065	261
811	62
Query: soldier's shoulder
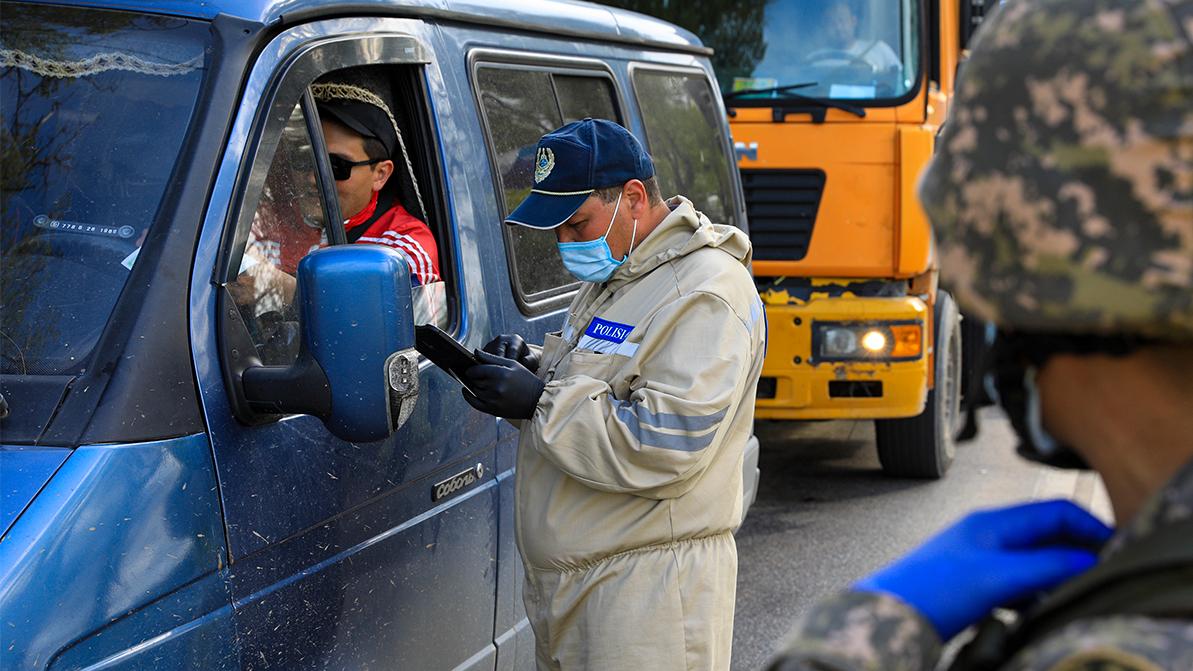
1117	643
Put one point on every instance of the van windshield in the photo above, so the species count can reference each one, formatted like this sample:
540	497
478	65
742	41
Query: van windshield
860	50
95	108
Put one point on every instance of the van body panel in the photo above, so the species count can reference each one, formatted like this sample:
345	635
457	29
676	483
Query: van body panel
558	17
357	592
138	641
117	531
24	471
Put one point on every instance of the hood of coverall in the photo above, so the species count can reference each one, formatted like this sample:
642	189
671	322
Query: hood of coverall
683	231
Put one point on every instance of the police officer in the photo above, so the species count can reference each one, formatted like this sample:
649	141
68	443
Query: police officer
1062	195
633	418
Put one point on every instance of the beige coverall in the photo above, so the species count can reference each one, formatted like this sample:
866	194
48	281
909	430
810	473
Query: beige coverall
629	479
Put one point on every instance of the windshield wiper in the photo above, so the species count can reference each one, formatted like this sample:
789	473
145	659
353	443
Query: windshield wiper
776	89
860	112
787	93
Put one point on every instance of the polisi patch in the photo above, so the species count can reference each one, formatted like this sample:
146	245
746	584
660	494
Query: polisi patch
608	331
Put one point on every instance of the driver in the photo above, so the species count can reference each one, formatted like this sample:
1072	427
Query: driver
361	137
840	35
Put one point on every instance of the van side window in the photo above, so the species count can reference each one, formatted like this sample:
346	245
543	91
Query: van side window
288	220
685	138
287	225
520	105
368	117
581	97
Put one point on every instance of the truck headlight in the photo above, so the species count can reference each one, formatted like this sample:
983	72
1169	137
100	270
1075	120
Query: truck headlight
868	341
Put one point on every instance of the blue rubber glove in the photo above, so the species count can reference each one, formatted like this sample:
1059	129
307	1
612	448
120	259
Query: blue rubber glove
503	387
992	558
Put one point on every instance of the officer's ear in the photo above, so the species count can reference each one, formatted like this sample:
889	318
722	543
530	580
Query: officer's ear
635	197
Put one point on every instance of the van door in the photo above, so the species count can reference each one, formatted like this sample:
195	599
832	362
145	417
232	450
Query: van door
374	555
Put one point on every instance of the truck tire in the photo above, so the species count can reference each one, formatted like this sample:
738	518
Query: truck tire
924	446
976	339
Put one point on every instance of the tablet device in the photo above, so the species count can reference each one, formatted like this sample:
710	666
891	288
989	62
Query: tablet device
443	350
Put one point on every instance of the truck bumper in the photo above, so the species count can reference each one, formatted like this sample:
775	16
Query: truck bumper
795	385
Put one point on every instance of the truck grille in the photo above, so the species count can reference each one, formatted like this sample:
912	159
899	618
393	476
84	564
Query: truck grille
781	206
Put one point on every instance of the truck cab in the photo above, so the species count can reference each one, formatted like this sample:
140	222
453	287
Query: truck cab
835	107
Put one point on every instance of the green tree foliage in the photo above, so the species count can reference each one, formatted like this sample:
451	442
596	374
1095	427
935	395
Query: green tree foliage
732	28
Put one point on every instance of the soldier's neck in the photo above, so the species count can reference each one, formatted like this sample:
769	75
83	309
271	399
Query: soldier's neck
1131	418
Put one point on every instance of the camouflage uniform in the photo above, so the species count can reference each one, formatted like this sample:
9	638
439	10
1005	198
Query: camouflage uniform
1062	199
859	630
1062	192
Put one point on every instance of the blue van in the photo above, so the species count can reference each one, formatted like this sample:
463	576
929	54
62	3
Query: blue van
198	476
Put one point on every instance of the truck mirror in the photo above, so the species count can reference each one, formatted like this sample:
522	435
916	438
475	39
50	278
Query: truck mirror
357	369
972	14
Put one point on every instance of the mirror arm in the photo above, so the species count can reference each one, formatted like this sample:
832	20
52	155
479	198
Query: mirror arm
299	388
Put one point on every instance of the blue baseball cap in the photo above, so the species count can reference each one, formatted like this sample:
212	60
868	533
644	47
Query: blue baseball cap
574	161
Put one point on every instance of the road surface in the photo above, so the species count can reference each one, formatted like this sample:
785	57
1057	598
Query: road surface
826	515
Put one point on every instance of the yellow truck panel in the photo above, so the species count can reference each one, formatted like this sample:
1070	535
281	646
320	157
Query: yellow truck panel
805	387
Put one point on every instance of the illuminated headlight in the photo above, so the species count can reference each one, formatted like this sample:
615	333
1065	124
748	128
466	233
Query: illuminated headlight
882	341
874	341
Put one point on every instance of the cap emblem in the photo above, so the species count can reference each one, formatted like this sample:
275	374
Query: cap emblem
543	164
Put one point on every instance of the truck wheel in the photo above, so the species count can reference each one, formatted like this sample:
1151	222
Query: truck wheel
976	339
924	446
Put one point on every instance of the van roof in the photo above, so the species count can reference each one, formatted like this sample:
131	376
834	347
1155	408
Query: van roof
565	18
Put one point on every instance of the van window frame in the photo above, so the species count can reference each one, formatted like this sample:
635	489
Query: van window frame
291	81
306	65
550	300
738	206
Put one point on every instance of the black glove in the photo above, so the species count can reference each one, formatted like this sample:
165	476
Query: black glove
514	347
503	387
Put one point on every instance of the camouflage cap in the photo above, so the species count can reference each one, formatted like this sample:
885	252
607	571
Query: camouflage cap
1062	190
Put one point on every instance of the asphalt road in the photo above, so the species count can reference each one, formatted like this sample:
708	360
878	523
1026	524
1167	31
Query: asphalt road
826	515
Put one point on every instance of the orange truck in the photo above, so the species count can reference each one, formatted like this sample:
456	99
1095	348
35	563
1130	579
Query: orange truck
834	107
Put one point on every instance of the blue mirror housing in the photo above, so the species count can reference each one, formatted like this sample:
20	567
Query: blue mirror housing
357	369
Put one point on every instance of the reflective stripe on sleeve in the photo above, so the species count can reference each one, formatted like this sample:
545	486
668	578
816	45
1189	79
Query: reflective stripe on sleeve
645	424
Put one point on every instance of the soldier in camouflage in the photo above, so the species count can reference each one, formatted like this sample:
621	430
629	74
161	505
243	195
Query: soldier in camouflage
1062	198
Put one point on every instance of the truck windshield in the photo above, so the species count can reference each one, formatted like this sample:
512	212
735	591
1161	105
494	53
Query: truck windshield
860	50
95	108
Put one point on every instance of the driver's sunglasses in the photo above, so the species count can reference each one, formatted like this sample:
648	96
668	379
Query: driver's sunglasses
341	168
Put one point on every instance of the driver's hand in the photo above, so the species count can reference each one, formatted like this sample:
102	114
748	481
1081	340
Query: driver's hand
244	289
264	286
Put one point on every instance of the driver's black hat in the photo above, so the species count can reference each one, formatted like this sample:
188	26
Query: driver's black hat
361	110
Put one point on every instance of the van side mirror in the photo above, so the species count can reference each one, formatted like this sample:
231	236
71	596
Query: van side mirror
357	369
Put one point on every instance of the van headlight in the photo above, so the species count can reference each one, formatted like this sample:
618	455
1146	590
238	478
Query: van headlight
868	341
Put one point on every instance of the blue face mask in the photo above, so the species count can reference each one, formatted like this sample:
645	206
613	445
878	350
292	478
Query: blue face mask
593	261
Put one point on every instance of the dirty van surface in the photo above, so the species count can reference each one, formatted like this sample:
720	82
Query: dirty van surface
220	447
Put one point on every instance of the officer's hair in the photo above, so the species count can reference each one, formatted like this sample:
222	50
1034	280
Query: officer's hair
653	195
